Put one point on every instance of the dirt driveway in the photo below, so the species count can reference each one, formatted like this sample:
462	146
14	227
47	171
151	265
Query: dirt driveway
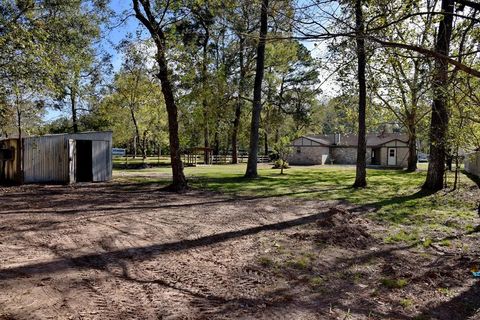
122	251
125	251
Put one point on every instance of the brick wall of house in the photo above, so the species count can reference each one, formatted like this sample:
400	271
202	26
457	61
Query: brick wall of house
472	163
308	155
346	155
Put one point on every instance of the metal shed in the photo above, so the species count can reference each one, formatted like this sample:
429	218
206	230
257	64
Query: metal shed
60	158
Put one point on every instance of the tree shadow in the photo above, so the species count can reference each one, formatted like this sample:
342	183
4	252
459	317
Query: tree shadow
401	199
472	177
462	306
102	260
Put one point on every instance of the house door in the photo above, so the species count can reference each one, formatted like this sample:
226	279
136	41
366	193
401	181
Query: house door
392	157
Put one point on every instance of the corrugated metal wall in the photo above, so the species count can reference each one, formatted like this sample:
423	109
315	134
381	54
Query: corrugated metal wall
99	160
45	159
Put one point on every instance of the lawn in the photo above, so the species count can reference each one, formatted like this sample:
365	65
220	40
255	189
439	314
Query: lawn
410	215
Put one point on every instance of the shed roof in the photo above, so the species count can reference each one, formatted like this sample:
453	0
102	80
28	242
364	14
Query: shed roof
84	133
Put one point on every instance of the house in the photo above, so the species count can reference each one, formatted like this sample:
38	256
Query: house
57	158
472	162
385	149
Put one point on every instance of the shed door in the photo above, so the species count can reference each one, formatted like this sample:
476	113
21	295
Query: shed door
100	160
392	156
71	160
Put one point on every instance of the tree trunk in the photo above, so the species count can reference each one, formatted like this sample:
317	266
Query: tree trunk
206	132
19	151
257	95
179	182
144	146
361	172
239	105
455	181
439	121
412	145
136	138
236	125
73	100
216	138
265	139
19	121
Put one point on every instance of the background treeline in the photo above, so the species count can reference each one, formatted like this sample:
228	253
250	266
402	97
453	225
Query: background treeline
190	75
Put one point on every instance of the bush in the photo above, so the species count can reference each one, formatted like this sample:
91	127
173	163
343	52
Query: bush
278	164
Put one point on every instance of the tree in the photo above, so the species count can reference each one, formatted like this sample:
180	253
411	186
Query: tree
134	108
361	172
283	148
242	23
439	120
146	13
251	171
37	39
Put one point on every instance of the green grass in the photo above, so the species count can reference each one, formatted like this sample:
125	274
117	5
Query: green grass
410	214
394	283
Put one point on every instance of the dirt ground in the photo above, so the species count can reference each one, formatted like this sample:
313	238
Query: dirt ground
125	251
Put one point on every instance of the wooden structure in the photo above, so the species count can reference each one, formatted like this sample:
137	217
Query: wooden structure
191	156
59	158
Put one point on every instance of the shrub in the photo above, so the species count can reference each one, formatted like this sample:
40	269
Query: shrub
279	163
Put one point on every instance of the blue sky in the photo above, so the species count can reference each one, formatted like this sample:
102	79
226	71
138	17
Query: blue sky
113	37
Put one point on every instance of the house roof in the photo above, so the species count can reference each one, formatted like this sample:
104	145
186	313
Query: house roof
351	140
319	140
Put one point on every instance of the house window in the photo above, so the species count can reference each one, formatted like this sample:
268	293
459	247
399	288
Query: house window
299	150
392	153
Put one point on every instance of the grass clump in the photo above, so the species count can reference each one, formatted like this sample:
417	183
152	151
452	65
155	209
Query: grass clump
406	303
402	236
427	242
445	243
266	262
394	283
316	281
301	263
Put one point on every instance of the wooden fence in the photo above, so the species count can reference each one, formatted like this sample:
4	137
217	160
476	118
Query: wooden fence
189	159
223	159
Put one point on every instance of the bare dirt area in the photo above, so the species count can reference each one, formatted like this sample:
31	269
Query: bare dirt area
127	251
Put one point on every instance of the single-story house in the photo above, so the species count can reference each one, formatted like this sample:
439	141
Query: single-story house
385	149
57	158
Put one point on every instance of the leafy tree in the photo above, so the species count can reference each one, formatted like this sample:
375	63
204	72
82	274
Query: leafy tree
283	148
439	119
37	39
251	171
152	16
